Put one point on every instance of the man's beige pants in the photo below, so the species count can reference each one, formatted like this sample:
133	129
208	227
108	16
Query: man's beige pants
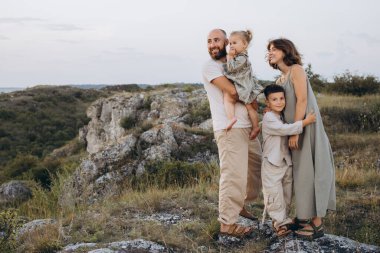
240	169
277	190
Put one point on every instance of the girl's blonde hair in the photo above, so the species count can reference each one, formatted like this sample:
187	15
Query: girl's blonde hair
245	35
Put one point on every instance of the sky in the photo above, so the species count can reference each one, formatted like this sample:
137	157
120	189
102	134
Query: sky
154	42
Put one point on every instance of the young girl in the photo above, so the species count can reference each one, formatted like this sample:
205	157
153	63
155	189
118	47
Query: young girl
238	70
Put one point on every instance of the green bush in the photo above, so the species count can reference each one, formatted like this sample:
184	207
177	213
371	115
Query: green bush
348	83
37	120
198	113
128	122
9	223
203	145
7	115
188	88
164	174
146	103
19	165
122	87
361	119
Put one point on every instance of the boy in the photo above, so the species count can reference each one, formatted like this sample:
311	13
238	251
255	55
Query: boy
276	168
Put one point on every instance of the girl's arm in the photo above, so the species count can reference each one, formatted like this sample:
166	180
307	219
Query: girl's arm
236	63
298	77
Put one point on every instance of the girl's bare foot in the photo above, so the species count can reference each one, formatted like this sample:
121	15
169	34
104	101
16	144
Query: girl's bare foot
231	123
254	133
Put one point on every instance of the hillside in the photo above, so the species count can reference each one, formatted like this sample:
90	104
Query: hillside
146	173
35	121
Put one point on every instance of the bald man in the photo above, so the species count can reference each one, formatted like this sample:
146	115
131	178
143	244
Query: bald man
240	157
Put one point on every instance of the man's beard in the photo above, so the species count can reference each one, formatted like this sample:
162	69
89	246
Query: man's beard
221	54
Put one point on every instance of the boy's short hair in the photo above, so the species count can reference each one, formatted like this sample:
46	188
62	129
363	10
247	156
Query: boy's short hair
273	88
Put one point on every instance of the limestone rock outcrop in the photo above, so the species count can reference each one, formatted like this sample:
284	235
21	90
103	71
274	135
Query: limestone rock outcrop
14	192
129	130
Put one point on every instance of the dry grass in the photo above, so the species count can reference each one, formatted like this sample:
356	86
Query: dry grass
47	203
46	239
353	177
357	180
329	100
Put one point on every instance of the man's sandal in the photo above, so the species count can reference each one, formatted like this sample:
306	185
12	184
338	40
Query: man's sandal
237	231
244	213
316	232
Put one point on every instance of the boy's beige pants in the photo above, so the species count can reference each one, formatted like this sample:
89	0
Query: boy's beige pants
240	169
277	190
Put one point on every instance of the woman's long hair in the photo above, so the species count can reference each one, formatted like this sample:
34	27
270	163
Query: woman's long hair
292	56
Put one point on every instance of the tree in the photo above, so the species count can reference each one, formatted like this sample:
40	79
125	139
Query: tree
318	83
348	83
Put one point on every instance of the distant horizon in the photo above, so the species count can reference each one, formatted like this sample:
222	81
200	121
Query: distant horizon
90	84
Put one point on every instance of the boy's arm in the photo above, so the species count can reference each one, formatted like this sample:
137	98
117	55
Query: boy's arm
278	128
274	126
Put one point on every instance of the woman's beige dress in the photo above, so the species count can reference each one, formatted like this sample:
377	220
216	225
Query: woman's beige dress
313	163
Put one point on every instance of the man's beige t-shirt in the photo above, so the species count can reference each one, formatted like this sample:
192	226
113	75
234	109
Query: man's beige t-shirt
211	70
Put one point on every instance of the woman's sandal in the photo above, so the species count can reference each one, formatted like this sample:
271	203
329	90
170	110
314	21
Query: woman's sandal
237	231
297	224
316	232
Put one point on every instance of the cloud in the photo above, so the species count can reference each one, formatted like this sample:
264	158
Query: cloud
325	54
127	49
19	20
2	37
69	41
63	27
368	38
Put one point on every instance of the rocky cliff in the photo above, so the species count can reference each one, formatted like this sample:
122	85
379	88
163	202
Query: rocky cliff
129	130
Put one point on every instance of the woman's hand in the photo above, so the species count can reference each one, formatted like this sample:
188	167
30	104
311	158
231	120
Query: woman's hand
293	141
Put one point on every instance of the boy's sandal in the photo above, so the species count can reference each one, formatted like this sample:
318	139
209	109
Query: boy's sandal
237	231
316	232
283	230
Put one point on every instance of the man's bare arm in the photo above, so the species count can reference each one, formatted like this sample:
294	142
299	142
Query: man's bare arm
225	85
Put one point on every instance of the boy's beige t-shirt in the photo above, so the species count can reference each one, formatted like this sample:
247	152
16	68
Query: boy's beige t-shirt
211	70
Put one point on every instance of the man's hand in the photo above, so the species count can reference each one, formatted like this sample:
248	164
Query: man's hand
255	105
225	85
293	141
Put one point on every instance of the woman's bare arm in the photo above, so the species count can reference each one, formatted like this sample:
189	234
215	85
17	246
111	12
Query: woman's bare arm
298	77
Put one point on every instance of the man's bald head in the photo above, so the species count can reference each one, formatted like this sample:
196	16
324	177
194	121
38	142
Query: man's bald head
216	44
220	31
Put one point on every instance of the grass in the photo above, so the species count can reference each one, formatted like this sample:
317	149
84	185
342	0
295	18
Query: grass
350	114
42	240
122	217
346	102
